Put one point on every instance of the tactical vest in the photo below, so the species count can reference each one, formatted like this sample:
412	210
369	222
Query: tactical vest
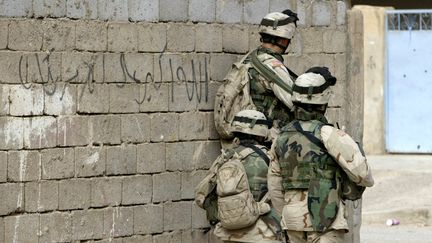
256	169
265	100
305	165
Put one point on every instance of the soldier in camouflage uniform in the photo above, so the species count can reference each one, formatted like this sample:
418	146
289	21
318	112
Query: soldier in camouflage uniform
271	87
250	128
310	160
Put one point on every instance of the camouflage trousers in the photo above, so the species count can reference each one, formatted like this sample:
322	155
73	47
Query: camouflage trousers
332	236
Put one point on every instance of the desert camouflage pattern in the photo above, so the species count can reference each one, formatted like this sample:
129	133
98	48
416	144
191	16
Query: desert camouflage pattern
294	204
256	170
268	97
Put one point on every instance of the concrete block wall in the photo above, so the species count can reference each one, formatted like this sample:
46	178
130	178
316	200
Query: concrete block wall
106	109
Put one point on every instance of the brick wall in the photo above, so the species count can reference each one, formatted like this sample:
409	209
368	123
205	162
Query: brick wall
106	109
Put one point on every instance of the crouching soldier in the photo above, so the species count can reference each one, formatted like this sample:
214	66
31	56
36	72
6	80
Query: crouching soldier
315	167
235	193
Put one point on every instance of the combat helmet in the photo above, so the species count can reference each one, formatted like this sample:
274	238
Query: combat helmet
277	24
251	122
312	87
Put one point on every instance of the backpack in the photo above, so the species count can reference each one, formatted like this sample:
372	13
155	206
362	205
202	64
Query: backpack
350	190
234	94
224	194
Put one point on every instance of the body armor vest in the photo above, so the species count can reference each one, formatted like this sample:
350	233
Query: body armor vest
256	169
305	165
264	99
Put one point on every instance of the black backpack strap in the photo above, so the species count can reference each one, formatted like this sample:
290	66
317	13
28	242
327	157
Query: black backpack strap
259	152
291	73
309	135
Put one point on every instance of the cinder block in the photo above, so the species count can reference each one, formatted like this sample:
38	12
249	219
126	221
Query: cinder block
135	128
321	13
189	156
116	10
127	68
11	69
180	38
312	40
4	99
207	103
166	66
23	165
177	215
49	8
40	132
73	130
335	115
106	191
118	222
341	10
138	239
320	59
199	235
106	129
186	95
148	219
87	224
91	36
335	41
296	45
94	100
213	134
164	127
235	38
25	35
122	37
137	190
11	129
13	198
166	186
41	61
90	161
2	228
154	96
41	196
304	13
3	166
58	163
26	101
175	236
151	157
59	35
80	9
220	64
123	99
340	71
280	5
189	180
121	160
199	218
22	228
152	37
173	10
193	126
63	101
229	11
56	227
74	194
255	10
16	8
144	10
254	37
202	11
208	38
4	29
83	68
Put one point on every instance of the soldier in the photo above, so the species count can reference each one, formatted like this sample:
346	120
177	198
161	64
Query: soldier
265	81
271	93
250	128
312	162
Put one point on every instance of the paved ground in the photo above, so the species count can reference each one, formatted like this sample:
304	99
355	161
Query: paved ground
402	190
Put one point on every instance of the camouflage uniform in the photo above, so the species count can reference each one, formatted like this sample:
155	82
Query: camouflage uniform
256	170
268	97
305	177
